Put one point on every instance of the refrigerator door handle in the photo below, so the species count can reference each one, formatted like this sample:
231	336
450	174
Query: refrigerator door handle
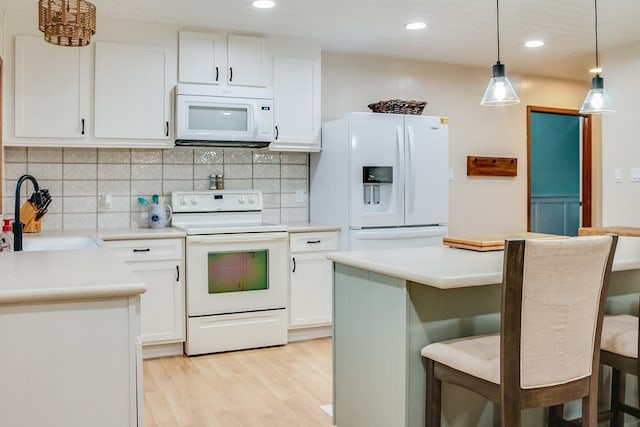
411	175
400	141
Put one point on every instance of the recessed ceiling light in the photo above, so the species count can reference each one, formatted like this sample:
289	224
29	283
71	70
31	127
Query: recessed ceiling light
534	43
263	4
416	26
596	70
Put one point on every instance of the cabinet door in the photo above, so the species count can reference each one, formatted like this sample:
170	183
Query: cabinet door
131	92
311	287
296	105
247	61
201	58
162	305
51	89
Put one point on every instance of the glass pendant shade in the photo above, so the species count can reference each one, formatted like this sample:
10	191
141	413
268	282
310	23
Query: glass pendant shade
597	100
499	91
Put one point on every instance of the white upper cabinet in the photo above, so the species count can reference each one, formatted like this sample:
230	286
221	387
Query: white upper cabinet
201	58
215	59
132	94
247	61
51	89
296	92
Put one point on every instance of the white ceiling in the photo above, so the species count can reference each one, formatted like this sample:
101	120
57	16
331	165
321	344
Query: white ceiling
459	31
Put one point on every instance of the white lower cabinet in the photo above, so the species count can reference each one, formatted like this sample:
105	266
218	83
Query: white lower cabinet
311	278
159	263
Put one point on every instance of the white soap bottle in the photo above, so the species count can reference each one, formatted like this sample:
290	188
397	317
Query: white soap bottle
6	237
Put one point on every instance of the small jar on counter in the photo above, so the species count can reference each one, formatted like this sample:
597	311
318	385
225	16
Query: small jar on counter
220	182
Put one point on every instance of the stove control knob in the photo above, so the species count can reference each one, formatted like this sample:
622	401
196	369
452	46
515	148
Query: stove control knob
252	200
183	201
194	201
241	200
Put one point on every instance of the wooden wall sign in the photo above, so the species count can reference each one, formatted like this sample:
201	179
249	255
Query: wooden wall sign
492	166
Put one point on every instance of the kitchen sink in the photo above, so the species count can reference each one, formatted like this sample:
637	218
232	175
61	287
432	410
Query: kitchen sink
57	243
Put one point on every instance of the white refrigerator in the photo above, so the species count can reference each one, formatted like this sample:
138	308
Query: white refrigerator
384	178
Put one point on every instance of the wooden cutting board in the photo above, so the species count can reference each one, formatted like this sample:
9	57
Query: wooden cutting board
493	242
619	230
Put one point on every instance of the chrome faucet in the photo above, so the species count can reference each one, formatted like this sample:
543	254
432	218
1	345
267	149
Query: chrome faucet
17	224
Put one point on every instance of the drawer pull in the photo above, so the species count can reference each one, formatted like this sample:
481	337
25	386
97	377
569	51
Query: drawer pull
313	242
142	250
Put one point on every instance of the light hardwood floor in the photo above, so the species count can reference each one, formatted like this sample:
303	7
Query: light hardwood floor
270	387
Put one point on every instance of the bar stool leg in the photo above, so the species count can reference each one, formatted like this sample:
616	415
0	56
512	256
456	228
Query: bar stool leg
617	396
555	415
434	396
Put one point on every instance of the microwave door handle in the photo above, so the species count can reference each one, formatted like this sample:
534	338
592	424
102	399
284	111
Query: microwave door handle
254	117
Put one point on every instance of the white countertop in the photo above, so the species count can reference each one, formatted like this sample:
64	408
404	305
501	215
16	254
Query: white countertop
45	276
447	268
113	233
308	227
139	233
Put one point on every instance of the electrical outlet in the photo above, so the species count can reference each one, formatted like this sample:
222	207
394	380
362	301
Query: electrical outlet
635	174
450	174
107	200
617	174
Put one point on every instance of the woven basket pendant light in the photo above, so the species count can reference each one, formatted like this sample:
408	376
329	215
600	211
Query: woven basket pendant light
67	22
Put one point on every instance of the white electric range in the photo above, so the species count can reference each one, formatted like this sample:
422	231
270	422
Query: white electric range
236	271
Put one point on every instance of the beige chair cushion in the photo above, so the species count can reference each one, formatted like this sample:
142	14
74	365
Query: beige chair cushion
478	355
620	335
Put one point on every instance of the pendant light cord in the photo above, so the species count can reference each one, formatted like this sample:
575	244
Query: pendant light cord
498	27
597	54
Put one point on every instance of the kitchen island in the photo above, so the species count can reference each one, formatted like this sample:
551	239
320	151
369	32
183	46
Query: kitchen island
69	327
388	304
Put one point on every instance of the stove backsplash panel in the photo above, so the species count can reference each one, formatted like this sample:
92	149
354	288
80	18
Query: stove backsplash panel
79	178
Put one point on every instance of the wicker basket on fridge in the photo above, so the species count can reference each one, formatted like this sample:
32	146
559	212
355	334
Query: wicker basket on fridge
398	106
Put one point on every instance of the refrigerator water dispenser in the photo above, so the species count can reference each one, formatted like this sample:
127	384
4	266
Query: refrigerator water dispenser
376	185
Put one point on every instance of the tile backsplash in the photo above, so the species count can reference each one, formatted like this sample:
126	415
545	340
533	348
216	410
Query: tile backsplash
79	178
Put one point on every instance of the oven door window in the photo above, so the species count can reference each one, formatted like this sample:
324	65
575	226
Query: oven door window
238	271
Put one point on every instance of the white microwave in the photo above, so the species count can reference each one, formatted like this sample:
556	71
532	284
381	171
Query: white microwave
216	116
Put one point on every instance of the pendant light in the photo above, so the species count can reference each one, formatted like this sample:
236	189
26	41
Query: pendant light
67	22
597	100
499	92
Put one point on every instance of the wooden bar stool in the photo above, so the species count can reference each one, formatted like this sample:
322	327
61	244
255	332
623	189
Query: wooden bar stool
619	350
546	354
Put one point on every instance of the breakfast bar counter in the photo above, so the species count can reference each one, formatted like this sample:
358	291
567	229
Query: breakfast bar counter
70	327
46	276
388	304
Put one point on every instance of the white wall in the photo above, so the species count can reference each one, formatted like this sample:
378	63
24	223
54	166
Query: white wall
478	205
621	137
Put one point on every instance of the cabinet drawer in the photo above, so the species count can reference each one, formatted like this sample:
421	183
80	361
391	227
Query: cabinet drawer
147	250
311	242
